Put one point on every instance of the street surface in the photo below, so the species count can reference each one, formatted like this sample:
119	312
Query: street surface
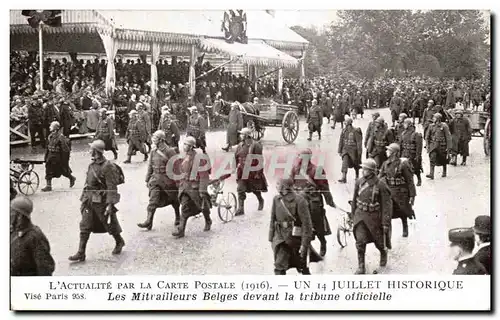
241	246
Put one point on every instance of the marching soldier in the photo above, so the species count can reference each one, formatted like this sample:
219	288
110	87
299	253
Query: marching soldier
143	116
411	148
398	129
235	119
372	212
371	130
398	176
136	136
290	230
163	190
29	247
315	120
167	125
462	245
350	148
249	181
57	157
482	234
105	132
193	194
461	134
396	104
99	198
196	129
429	114
311	183
382	137
438	142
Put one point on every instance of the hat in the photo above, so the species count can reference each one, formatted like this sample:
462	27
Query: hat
193	109
459	111
376	114
22	205
369	164
285	183
139	105
246	132
482	225
132	112
404	115
347	119
103	110
55	125
408	121
160	134
190	141
98	145
460	235
437	116
380	120
393	147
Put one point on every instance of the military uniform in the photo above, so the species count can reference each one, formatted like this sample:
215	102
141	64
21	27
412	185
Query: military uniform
411	148
136	137
396	104
428	115
196	129
461	134
285	246
350	148
382	137
146	119
57	157
438	143
234	126
105	132
370	131
171	130
30	253
315	121
256	180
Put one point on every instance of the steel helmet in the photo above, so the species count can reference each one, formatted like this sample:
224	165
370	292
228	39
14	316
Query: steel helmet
393	147
369	164
55	125
246	132
22	205
190	141
98	145
159	134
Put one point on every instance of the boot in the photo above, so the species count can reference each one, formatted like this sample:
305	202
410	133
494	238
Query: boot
322	249
120	243
208	220
179	233
145	157
177	216
383	258
319	135
453	161
80	255
241	208
464	161
431	173
361	262
306	271
310	136
357	173
279	272
115	154
129	158
72	180
419	180
261	202
405	227
48	187
444	172
344	178
148	224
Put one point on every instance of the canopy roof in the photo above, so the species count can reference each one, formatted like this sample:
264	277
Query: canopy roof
175	30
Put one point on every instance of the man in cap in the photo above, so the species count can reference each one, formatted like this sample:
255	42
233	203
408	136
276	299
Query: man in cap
169	126
358	102
371	130
235	124
310	182
196	128
315	120
29	247
57	157
462	245
398	129
193	196
143	116
99	198
105	132
382	137
163	190
411	148
429	114
338	112
136	136
290	230
461	134
438	140
482	234
250	174
350	148
398	175
371	210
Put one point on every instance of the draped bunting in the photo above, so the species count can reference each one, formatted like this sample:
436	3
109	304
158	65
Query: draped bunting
111	48
192	75
155	55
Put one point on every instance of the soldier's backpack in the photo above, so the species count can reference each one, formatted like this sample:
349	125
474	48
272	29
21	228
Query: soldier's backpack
118	173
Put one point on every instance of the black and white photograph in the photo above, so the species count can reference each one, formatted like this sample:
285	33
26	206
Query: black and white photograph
348	145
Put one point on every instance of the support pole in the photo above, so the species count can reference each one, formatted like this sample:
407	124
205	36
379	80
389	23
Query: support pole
192	74
280	80
40	52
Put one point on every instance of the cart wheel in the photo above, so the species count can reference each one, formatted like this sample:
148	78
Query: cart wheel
342	233
219	186
227	207
290	127
28	183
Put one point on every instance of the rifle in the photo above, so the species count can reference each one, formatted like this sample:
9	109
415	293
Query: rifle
28	162
221	178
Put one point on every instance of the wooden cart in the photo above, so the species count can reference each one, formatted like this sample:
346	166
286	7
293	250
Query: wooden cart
478	121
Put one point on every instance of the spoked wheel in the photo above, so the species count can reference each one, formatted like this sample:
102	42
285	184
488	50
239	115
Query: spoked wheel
28	183
343	232
290	127
227	207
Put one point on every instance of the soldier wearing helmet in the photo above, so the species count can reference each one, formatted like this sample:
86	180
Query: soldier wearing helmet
195	170
311	183
250	178
29	247
461	134
398	129
350	148
371	211
143	116
371	130
438	141
358	103
57	157
429	114
396	105
196	127
315	120
411	148
169	126
382	137
398	175
162	186
99	197
338	112
290	230
105	132
136	136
